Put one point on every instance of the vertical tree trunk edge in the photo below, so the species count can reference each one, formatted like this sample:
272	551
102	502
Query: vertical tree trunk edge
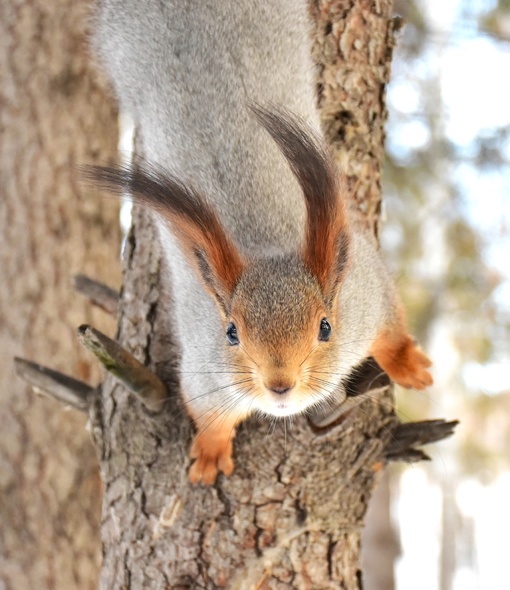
271	524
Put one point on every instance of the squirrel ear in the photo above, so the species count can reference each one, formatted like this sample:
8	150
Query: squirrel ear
195	223
326	246
219	283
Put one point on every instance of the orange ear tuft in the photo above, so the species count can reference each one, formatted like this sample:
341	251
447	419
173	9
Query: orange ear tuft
197	226
212	251
326	245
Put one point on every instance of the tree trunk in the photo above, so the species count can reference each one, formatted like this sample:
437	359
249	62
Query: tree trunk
54	115
291	514
380	544
353	48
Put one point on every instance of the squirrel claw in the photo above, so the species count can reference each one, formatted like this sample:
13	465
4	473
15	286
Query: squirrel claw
211	456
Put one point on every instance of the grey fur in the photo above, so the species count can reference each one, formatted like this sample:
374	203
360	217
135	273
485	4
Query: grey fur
185	71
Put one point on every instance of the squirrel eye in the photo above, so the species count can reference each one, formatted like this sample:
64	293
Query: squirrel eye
232	336
325	330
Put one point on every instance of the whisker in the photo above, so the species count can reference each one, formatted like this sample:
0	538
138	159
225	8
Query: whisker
214	372
313	348
426	396
346	342
226	409
272	425
249	356
215	390
182	411
247	392
379	421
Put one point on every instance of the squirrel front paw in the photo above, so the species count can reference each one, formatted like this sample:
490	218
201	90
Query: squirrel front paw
403	361
414	373
212	446
211	456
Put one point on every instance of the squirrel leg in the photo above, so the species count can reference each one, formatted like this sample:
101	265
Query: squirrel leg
212	446
402	360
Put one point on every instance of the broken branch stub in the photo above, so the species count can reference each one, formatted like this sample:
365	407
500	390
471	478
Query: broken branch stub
411	434
62	387
138	379
99	294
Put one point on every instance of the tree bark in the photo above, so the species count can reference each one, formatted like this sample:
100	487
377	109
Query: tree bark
291	514
54	115
354	42
380	544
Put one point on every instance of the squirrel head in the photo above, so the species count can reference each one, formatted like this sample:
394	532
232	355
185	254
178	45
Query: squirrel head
279	312
283	331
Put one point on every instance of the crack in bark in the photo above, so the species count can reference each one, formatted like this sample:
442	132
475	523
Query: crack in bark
258	534
127	571
277	471
224	499
359	578
301	513
143	502
201	562
131	241
112	414
151	316
331	548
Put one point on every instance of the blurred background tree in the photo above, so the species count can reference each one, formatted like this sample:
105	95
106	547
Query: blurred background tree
55	113
446	232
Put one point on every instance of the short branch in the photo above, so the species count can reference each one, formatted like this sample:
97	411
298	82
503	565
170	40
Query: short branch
144	384
99	294
62	387
407	436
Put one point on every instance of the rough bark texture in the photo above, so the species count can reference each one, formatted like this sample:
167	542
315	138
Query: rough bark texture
53	116
354	43
291	514
380	544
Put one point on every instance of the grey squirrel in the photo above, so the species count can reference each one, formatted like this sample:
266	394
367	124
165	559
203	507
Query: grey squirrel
277	292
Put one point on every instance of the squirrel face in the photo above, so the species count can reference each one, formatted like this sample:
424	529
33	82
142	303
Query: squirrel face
279	311
282	331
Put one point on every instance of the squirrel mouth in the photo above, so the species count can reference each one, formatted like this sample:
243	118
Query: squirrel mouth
284	409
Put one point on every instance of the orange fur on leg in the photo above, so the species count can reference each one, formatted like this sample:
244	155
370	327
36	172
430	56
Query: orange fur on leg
212	446
402	360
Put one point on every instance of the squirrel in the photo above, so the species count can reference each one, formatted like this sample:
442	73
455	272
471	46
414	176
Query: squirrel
278	293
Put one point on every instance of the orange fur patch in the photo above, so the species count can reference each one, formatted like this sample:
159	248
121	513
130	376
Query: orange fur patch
212	446
325	249
194	220
220	252
402	360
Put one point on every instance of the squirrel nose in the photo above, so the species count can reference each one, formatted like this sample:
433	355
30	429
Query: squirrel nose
280	388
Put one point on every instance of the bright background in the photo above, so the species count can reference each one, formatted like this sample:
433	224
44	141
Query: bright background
447	234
